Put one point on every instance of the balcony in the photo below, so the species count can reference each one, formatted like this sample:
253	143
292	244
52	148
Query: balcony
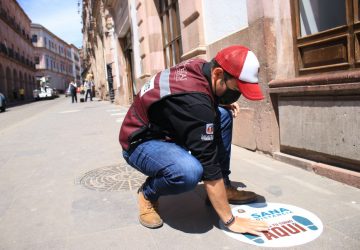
11	53
11	22
16	56
3	49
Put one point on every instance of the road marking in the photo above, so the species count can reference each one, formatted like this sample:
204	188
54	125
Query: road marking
113	110
69	111
119	112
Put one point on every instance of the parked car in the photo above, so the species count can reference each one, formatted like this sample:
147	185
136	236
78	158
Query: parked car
43	93
2	102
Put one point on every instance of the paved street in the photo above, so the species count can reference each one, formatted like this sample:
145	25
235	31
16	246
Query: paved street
64	185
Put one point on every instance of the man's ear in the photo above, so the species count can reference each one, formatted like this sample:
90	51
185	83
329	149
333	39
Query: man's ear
217	73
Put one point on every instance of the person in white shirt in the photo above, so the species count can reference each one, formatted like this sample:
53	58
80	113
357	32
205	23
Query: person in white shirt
87	88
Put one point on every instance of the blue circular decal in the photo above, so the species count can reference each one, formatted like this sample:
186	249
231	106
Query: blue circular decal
288	225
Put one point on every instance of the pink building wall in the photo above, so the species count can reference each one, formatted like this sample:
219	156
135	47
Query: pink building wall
16	55
55	57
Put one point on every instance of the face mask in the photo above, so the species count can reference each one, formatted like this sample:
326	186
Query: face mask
230	96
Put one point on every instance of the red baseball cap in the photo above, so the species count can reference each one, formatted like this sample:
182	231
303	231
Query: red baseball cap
242	64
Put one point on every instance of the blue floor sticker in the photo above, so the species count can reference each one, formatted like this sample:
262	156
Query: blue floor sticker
288	225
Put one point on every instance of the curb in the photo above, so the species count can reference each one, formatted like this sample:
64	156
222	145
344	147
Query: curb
345	176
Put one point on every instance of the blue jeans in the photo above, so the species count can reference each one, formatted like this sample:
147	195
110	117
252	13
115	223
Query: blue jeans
171	169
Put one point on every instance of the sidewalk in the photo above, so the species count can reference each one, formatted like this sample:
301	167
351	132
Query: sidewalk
83	196
18	102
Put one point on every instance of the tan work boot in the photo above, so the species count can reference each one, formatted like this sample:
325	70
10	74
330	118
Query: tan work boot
148	212
239	197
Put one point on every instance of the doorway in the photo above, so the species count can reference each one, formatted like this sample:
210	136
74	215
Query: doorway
128	52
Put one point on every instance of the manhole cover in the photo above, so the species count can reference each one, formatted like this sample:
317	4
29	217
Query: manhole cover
112	178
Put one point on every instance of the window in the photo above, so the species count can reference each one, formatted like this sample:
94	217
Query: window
37	60
34	39
317	16
170	24
327	35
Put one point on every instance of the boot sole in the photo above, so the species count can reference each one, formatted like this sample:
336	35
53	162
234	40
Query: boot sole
237	202
152	226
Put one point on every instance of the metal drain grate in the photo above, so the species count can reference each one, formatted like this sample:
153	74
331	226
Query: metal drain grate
112	178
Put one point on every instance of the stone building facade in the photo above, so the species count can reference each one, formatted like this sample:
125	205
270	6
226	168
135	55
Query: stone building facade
309	56
53	57
17	67
76	63
94	49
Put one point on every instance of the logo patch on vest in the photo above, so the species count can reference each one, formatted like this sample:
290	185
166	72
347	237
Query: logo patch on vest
209	130
149	85
207	137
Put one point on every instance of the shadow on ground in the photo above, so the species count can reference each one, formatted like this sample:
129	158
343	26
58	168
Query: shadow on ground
190	213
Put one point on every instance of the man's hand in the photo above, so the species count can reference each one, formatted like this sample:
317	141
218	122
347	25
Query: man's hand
217	195
244	225
234	108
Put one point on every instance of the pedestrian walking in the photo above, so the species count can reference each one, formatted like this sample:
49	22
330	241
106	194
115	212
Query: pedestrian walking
92	86
87	88
178	132
22	93
72	87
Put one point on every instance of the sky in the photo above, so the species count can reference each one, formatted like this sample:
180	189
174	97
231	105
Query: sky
61	17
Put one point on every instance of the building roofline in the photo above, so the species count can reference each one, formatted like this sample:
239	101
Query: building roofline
72	45
39	26
23	11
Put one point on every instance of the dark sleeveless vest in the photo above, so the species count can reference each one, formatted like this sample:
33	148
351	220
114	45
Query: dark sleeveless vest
185	77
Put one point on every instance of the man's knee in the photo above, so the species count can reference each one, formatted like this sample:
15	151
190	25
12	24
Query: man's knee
187	178
193	174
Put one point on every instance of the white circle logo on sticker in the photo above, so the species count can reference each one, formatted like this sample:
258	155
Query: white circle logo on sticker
288	225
